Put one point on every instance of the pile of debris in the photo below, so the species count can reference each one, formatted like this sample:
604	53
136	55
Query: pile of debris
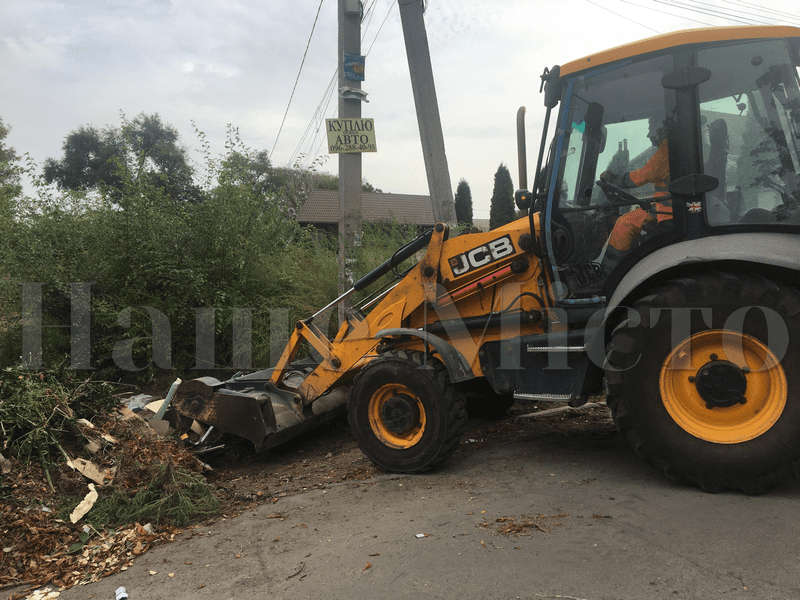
49	528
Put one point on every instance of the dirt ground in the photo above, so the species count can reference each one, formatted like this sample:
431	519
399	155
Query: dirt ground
330	455
549	507
241	480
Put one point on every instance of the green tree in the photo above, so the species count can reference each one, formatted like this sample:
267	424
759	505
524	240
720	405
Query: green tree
142	149
251	170
9	189
9	172
153	147
502	208
463	202
89	161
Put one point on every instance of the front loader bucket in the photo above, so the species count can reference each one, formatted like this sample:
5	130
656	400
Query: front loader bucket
251	407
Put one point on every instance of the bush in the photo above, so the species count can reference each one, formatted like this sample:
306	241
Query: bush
148	255
39	410
158	264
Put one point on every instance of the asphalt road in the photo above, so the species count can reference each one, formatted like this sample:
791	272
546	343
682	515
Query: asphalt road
547	515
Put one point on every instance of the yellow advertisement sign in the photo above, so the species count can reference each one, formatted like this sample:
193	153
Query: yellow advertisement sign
351	135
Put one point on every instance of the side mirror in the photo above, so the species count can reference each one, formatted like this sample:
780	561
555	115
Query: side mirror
552	86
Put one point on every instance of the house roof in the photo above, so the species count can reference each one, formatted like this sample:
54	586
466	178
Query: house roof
322	207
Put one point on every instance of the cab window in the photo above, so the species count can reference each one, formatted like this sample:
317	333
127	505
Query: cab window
610	193
750	111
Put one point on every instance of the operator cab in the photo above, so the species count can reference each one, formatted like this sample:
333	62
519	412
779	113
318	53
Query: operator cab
675	138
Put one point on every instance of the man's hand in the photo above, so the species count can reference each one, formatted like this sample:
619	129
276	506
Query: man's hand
609	177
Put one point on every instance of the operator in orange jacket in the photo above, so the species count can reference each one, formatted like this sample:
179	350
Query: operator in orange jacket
628	227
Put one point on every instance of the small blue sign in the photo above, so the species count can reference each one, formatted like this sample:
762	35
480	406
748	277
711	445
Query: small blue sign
354	67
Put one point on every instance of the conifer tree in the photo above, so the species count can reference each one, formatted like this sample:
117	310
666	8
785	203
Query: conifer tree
502	208
463	202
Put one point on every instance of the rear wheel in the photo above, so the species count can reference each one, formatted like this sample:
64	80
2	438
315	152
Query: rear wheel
703	380
405	413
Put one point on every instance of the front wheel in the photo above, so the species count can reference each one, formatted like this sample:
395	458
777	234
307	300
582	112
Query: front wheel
704	377
405	413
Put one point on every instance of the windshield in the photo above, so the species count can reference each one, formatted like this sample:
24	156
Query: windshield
750	110
615	131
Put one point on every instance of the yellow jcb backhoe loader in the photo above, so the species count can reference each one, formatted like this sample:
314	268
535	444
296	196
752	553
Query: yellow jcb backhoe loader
659	258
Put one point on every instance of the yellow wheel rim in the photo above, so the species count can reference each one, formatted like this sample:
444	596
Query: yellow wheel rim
396	416
738	357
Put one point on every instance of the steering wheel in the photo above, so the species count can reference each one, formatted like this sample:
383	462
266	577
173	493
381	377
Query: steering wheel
615	194
617	197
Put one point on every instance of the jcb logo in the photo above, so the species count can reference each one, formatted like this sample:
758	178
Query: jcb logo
482	255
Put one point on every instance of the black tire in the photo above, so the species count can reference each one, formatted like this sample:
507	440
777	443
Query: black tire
687	421
405	413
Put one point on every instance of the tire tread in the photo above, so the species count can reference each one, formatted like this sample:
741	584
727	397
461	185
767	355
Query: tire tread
626	343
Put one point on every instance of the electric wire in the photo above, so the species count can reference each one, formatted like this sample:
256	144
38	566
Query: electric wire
308	145
750	12
320	137
713	12
664	12
368	14
738	13
733	11
790	17
381	27
318	115
302	62
309	137
315	148
622	16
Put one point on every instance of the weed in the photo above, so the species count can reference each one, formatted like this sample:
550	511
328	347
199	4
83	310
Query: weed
39	411
175	495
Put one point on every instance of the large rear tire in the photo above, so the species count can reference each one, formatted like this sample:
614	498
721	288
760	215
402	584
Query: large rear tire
405	413
703	380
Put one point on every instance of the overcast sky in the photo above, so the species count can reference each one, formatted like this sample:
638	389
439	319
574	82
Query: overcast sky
67	63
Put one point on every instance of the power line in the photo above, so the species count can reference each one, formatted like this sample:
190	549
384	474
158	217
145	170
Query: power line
664	12
783	16
622	16
750	12
381	27
324	138
368	14
307	140
713	11
737	11
317	118
319	8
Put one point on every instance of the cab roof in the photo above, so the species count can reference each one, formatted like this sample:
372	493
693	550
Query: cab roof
679	38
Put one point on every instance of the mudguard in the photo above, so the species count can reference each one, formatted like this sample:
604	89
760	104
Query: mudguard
457	366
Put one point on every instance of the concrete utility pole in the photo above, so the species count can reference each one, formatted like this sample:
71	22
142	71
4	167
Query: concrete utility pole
349	163
430	126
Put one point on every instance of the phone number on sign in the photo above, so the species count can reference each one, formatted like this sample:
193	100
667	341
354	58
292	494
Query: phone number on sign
352	148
